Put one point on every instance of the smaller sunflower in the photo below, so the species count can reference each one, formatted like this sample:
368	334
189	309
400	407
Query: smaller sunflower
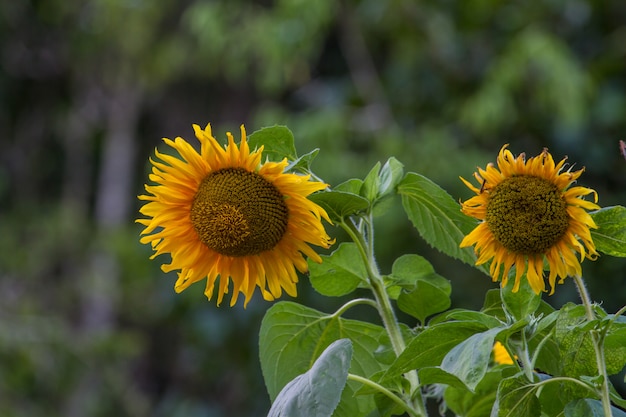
501	356
222	214
529	214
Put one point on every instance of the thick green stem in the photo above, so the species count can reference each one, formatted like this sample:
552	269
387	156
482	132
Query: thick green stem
385	308
597	345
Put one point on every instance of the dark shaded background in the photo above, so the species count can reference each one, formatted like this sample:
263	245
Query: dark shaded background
90	327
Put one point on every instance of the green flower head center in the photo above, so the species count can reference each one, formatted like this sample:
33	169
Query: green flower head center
527	214
238	213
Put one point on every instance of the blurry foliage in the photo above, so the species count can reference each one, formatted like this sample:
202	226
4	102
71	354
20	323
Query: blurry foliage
440	85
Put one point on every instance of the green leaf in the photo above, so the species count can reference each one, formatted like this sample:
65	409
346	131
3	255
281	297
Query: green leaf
470	359
371	184
303	163
615	349
460	314
549	357
553	396
277	142
431	296
407	270
575	344
474	404
437	217
610	237
516	398
352	186
522	303
339	273
390	176
339	204
437	375
318	390
293	336
589	408
430	346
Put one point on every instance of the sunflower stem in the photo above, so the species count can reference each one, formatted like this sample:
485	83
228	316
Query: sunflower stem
598	347
363	238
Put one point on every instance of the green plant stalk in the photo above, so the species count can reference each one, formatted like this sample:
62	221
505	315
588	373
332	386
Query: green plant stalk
597	346
385	309
522	354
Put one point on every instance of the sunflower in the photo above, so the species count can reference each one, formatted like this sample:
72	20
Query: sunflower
530	214
223	214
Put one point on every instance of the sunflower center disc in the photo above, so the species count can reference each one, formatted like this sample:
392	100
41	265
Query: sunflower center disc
238	213
527	214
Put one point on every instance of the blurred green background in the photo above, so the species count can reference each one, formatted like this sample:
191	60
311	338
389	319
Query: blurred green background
90	327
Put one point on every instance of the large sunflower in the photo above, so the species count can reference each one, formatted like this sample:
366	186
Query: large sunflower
530	214
221	213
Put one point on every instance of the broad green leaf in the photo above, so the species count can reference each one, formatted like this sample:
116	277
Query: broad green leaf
470	359
575	345
430	296
589	408
293	336
430	346
339	273
610	237
516	398
318	390
553	396
277	142
408	269
339	204
303	163
437	217
522	303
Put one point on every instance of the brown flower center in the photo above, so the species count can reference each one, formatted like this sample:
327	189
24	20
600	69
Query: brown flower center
239	213
527	214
